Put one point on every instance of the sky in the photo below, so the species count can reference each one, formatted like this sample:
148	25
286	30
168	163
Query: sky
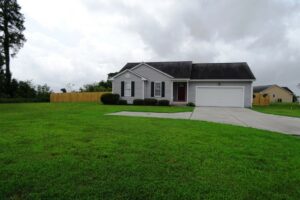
74	42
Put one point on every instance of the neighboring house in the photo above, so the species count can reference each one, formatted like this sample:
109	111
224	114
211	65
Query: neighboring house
295	99
275	92
205	84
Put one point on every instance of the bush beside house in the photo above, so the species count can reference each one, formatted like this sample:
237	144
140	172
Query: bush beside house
138	102
163	102
191	104
150	102
114	99
110	99
122	102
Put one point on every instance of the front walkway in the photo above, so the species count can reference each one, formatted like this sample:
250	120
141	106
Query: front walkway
236	116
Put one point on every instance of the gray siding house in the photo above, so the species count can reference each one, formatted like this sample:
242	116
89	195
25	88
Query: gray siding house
205	84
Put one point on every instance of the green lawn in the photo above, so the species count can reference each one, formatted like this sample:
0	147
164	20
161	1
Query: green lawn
74	151
285	109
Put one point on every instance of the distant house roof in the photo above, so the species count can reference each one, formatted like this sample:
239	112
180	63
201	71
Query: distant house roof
188	70
261	88
288	89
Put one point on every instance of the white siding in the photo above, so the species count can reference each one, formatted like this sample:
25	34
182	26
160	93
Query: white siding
127	76
155	76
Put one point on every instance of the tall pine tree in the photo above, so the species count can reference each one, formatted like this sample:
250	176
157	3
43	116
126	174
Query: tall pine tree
11	34
2	78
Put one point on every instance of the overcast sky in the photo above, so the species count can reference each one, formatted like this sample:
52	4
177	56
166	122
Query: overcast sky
81	41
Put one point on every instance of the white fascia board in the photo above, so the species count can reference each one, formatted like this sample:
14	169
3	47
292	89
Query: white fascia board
127	70
181	79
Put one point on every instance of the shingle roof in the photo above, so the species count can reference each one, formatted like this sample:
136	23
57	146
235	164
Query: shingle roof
288	89
221	71
180	69
186	69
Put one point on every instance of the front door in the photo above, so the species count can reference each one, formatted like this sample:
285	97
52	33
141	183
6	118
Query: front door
181	91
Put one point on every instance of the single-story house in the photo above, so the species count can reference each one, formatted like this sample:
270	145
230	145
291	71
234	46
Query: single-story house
275	92
204	84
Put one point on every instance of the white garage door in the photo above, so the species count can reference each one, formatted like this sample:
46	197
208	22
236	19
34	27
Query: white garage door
220	96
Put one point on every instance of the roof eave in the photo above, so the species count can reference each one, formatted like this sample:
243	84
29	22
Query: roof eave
127	70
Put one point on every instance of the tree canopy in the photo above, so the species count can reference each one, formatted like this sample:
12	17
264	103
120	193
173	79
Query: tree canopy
11	35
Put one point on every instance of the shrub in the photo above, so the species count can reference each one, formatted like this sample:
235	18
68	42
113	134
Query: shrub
163	102
150	102
122	102
191	104
24	100
109	98
138	102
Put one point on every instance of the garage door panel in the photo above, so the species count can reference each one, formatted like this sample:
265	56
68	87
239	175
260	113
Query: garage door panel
220	96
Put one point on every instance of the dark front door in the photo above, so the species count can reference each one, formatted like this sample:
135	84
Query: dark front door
181	91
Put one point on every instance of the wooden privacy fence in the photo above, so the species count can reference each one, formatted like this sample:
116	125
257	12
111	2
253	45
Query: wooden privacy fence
76	97
261	100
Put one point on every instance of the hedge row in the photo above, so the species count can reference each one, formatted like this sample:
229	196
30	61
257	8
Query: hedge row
23	100
114	99
151	102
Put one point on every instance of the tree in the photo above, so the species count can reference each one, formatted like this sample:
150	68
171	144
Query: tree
112	74
102	86
2	78
11	34
43	91
25	89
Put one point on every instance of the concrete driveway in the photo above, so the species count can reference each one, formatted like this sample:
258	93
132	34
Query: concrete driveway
248	118
236	116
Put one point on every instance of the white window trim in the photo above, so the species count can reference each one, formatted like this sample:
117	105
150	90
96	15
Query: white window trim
127	82
159	87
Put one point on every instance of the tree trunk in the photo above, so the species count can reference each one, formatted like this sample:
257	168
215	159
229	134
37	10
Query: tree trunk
6	52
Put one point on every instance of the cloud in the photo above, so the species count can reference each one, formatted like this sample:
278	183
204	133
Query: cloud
80	41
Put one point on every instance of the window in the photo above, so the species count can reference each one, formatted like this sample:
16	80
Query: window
273	95
157	89
127	89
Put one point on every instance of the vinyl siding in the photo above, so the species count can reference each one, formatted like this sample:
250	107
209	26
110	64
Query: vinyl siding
155	76
127	76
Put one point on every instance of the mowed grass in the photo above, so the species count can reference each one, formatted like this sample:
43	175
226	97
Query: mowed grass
285	109
74	151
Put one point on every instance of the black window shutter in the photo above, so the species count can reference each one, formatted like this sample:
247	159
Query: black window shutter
122	89
162	89
152	89
132	88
